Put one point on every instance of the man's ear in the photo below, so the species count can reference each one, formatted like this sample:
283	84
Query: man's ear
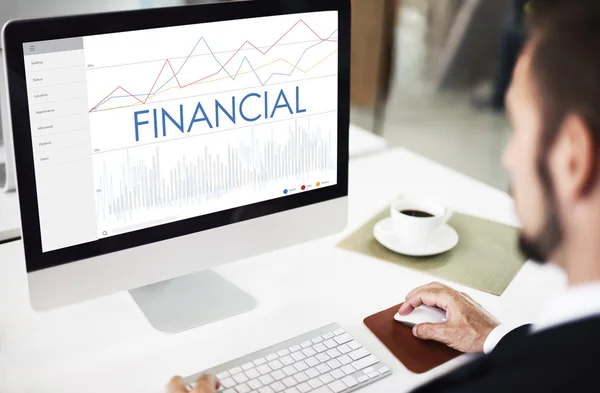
573	159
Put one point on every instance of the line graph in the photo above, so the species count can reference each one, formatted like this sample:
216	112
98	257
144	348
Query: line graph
167	67
159	91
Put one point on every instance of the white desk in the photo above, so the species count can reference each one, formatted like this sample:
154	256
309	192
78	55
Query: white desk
106	345
362	143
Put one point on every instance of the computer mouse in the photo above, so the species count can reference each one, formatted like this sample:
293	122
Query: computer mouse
422	314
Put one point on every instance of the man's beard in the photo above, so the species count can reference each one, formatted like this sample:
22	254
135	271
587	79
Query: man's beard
541	248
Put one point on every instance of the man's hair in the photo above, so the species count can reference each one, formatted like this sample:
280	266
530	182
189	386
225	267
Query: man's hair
565	68
565	63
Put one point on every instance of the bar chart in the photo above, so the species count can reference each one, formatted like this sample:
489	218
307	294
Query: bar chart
144	186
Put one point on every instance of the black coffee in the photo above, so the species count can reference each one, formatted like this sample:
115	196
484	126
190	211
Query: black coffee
416	213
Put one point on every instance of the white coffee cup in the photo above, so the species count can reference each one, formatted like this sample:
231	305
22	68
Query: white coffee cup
417	230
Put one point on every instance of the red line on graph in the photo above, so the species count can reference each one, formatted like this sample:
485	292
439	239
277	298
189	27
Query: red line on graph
209	76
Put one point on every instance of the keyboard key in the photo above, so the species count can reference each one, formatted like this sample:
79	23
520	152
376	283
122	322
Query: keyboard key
260	361
223	375
320	348
312	373
286	360
334	363
304	388
230	390
255	384
289	382
374	374
247	366
309	352
330	344
368	370
359	354
323	368
266	389
295	348
243	388
252	374
315	383
338	332
266	379
323	357
317	340
365	362
240	378
264	369
354	344
348	369
301	365
337	374
383	370
327	336
333	353
298	356
344	359
272	357
228	383
235	370
292	390
277	375
362	378
337	386
301	377
275	364
344	349
343	338
283	352
326	378
289	371
312	361
306	344
279	387
350	381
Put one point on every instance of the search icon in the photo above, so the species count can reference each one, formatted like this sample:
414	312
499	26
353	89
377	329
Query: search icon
104	233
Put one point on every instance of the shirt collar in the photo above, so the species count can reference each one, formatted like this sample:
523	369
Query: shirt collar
575	303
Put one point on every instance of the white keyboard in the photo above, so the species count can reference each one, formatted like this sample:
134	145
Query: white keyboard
327	360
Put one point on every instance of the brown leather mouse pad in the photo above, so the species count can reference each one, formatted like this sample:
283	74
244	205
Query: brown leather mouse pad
417	355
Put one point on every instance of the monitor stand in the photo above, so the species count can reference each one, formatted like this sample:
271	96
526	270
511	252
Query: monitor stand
190	301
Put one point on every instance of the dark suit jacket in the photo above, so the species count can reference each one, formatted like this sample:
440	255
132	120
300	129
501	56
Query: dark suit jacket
562	359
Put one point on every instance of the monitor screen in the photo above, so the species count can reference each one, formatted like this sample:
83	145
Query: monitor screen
138	129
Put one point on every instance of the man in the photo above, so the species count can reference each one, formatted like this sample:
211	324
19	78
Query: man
554	163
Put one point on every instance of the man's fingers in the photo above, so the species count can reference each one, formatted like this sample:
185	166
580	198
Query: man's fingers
207	384
405	309
439	298
431	285
176	385
408	307
431	331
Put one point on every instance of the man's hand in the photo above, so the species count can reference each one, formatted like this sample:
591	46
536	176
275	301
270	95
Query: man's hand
467	323
204	384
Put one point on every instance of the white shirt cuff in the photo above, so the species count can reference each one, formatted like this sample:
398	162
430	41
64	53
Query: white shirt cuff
495	336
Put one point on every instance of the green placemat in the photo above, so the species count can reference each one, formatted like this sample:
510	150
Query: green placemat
486	257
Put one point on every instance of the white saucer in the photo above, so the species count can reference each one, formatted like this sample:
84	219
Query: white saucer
444	239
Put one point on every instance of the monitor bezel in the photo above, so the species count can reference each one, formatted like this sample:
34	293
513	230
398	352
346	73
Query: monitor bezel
16	33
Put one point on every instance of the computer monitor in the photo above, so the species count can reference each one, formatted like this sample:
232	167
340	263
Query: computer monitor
156	144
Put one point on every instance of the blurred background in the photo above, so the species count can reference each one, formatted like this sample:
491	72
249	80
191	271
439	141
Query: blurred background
427	75
443	71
